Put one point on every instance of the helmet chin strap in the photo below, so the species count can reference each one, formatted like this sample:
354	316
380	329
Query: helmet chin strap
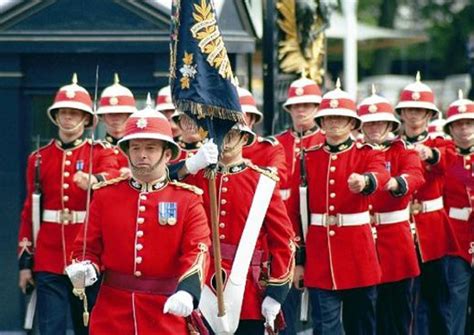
73	129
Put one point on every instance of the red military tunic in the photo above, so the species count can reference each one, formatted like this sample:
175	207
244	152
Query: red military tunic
341	257
435	236
269	153
111	142
236	187
459	199
395	244
149	232
292	143
60	197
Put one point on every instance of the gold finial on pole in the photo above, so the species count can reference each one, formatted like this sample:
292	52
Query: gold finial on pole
418	76
74	78
338	83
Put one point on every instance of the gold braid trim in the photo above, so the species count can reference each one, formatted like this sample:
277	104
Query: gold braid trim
269	173
108	182
287	278
188	187
197	266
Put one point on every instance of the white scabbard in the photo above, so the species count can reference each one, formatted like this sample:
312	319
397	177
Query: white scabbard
30	311
304	232
35	215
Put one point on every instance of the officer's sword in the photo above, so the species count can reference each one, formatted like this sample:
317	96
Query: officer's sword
303	191
79	281
35	223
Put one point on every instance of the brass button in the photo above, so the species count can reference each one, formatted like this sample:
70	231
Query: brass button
222	237
66	210
370	207
67	162
468	166
224	189
225	179
223	202
140	233
138	273
68	153
143	197
223	213
142	208
333	157
66	174
138	260
331	208
297	149
332	181
332	195
139	246
65	198
332	168
140	220
65	186
116	151
221	225
332	233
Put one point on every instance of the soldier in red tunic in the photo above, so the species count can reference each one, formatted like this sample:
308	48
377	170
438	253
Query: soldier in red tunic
304	97
151	245
164	105
434	235
458	202
264	151
341	265
116	104
252	219
63	179
391	215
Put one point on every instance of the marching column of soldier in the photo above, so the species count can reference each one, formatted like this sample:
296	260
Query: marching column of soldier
374	233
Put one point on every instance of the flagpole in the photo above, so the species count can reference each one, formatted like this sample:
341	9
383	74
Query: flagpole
216	246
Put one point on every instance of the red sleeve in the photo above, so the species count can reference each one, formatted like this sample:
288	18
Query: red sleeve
25	235
411	170
375	160
106	164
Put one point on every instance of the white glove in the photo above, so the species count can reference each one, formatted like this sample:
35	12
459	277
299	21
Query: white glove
179	304
87	268
206	155
270	310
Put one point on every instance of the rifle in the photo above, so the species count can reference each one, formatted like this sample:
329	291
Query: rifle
35	222
303	192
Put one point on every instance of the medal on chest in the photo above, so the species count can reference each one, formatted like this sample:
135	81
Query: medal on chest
167	213
80	165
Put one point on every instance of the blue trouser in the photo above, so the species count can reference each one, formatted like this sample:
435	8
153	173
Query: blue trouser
55	299
432	305
395	307
246	327
459	281
290	311
357	306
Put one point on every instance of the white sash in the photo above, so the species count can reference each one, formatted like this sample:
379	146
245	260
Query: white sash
235	286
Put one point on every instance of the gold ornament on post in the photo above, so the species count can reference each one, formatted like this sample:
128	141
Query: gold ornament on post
303	45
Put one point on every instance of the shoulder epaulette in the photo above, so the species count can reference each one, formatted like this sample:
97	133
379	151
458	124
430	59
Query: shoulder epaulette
97	142
314	147
109	182
188	187
267	172
42	148
269	139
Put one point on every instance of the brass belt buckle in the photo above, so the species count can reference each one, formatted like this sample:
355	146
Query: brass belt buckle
331	220
65	216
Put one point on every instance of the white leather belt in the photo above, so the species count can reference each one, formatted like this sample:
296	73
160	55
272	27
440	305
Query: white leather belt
285	194
427	206
392	217
355	219
64	216
460	213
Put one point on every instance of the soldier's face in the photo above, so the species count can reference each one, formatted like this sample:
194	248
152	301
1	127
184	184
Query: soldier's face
337	126
115	121
462	131
375	132
70	118
415	117
302	113
233	143
148	157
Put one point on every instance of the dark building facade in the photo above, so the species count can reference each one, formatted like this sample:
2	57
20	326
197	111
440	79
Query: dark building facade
42	43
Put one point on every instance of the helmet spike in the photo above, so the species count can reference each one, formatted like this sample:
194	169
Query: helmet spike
74	78
116	78
338	83
418	76
149	102
303	72
374	91
460	95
